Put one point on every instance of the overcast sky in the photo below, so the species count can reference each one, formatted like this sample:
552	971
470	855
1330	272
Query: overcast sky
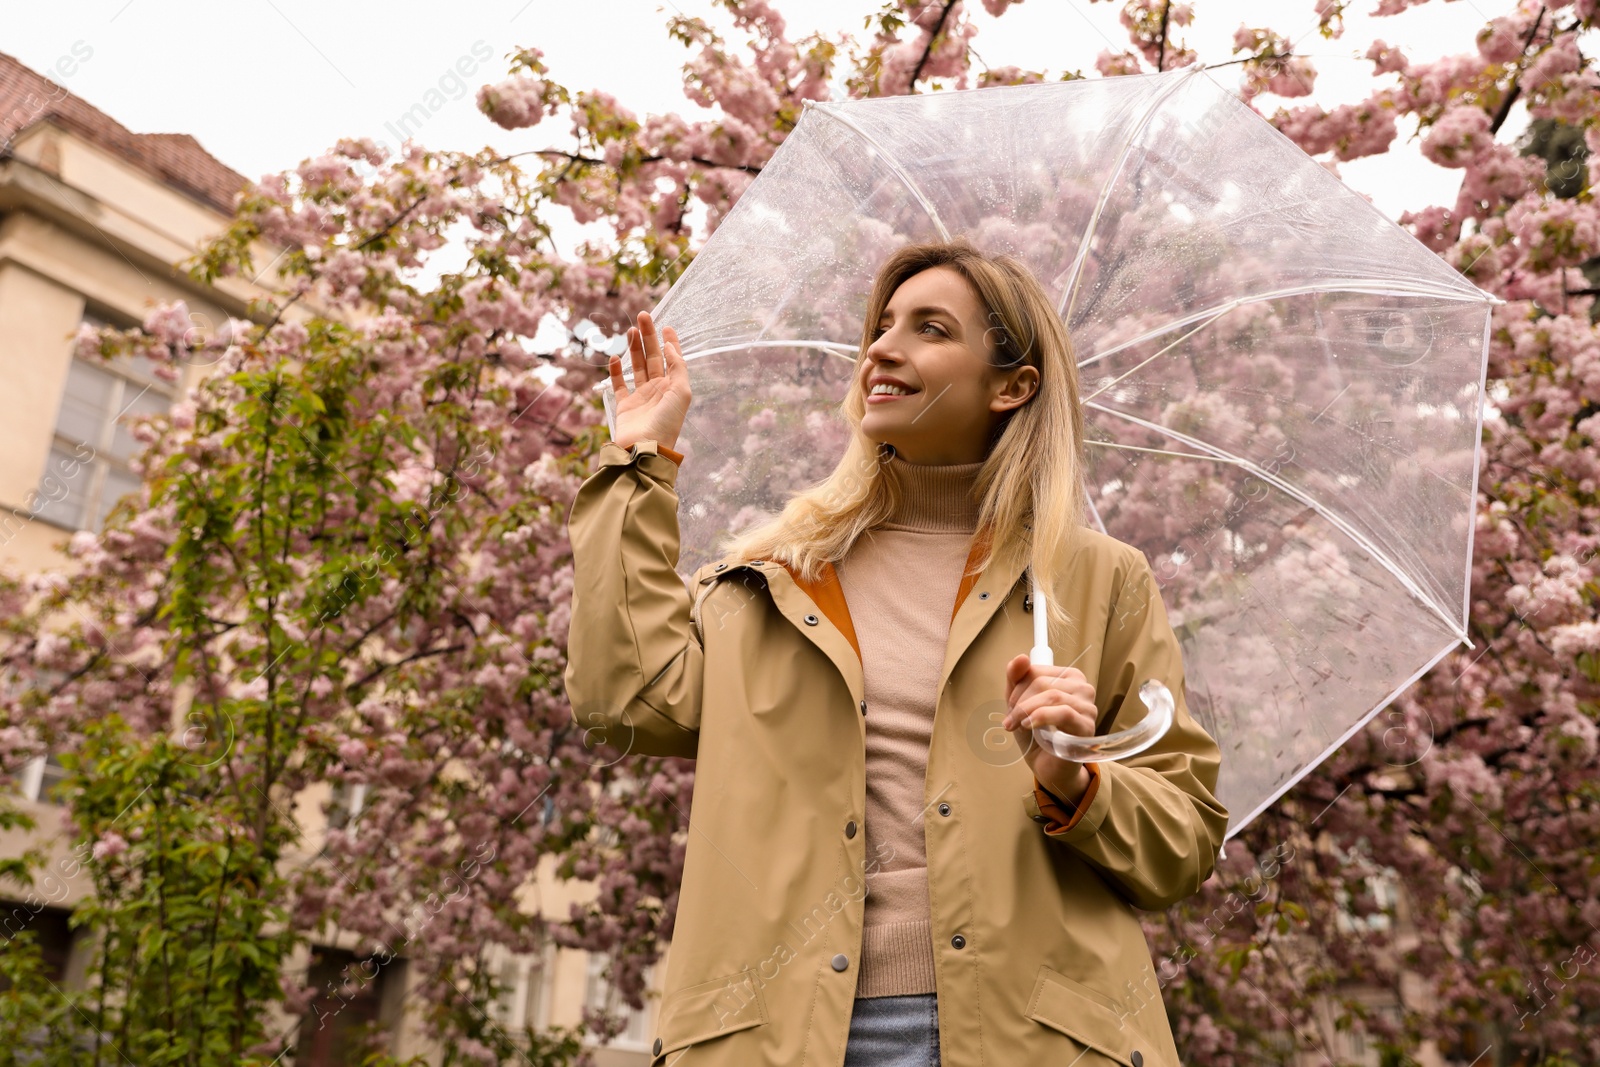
265	83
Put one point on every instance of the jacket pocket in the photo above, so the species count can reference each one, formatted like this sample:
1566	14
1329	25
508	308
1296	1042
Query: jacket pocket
708	1010
1092	1019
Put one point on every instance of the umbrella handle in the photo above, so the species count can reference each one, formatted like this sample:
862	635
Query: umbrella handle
1120	745
609	395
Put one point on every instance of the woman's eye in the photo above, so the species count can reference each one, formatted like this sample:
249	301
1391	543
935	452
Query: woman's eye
879	331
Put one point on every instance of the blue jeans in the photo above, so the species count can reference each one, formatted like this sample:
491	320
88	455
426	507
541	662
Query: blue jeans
894	1032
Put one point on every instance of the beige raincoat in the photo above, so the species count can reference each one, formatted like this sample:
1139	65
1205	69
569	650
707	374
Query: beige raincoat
1040	958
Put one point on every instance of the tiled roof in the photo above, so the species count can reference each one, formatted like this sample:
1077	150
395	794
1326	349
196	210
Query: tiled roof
27	97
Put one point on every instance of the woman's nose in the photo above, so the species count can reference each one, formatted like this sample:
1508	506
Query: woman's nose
882	349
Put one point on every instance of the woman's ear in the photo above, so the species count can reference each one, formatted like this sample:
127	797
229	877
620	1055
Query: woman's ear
1015	389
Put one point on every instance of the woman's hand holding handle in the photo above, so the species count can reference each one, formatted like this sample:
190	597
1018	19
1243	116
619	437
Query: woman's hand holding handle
654	409
1047	695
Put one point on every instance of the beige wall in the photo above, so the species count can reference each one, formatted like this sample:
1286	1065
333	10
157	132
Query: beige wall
124	211
37	316
48	272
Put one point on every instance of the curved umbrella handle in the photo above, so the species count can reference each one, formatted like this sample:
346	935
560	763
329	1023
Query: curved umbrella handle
1120	745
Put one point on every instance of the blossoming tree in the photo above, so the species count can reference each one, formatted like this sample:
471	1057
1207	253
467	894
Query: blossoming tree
1445	856
347	566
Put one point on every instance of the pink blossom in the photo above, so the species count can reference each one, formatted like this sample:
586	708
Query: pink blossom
171	324
1293	76
12	742
1498	175
109	846
1349	131
1574	638
1111	64
1467	777
1433	226
1387	58
518	102
86	342
1329	17
1579	736
1501	40
1556	232
1458	136
1561	57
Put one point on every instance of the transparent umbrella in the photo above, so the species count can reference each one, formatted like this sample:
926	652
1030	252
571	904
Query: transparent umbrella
1283	389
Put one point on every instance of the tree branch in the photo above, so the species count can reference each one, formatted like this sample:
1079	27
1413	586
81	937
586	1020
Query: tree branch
1161	53
384	668
1504	109
916	72
575	158
388	227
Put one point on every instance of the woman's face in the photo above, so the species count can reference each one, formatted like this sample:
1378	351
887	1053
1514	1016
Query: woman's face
931	342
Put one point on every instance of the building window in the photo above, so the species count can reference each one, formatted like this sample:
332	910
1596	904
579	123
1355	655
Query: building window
600	995
344	811
52	929
344	1017
40	780
88	470
521	983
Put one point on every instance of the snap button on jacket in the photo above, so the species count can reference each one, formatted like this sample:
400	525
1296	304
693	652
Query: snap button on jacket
1039	955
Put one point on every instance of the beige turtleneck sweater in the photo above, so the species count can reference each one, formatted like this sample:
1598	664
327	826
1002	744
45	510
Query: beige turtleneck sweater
900	581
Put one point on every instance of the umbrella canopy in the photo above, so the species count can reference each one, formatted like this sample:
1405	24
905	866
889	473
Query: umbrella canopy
1283	389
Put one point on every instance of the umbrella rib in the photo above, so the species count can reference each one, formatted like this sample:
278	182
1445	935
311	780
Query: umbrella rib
1069	292
1285	487
1333	285
1157	354
1167	452
833	348
1472	527
1098	521
892	163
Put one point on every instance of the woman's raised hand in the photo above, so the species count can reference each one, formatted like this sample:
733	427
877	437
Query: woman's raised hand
659	401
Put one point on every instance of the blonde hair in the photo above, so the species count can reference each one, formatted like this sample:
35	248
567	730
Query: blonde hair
1031	483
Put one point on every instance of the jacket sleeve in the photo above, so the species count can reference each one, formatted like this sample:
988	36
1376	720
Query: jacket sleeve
1150	824
635	662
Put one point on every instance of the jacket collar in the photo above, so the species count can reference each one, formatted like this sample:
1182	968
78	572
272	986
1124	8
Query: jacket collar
800	601
828	595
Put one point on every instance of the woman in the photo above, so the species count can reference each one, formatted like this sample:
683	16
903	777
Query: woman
883	868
